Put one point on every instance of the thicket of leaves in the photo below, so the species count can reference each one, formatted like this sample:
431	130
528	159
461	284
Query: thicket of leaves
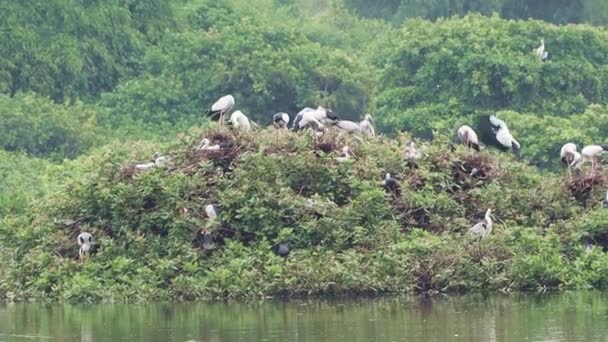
75	49
438	74
554	11
346	235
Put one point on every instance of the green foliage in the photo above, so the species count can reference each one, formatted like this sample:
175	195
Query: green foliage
346	235
37	126
555	11
68	49
492	60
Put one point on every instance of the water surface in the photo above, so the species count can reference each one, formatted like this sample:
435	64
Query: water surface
577	316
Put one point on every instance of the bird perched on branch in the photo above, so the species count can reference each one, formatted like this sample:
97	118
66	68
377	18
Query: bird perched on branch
220	108
590	154
367	126
239	121
468	137
84	241
482	229
280	120
540	52
391	186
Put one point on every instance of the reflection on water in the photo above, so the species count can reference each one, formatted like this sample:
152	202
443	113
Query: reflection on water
577	316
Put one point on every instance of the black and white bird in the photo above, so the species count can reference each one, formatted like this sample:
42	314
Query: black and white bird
220	108
367	126
482	229
391	186
84	241
280	120
240	121
315	119
494	131
468	137
591	152
605	203
205	145
540	52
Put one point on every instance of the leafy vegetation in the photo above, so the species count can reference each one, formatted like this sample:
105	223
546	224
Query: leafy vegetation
88	88
346	235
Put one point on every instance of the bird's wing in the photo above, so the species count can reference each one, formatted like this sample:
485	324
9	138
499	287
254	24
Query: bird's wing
478	229
224	103
497	123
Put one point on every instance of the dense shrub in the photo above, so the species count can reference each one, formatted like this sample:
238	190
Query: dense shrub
33	124
346	235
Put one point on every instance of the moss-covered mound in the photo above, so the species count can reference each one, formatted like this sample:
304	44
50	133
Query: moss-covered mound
345	234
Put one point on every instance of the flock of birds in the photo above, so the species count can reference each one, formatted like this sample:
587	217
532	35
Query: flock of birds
494	131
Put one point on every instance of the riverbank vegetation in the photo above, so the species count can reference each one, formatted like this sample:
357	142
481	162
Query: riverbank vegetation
88	89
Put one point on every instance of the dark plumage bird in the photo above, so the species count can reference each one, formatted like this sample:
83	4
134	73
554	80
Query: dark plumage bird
391	186
281	249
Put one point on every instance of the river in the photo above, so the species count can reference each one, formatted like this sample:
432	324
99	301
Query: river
575	316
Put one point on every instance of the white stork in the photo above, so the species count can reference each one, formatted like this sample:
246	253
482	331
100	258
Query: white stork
280	120
220	108
540	52
484	228
84	241
313	118
590	153
239	121
367	126
468	137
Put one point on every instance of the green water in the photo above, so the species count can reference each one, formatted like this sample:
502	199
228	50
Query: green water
581	316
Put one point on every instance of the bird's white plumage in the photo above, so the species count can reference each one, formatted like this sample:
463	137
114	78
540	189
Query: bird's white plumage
483	228
411	153
84	241
240	121
161	160
205	145
503	134
210	211
467	135
591	151
224	104
145	166
569	155
280	120
540	52
569	148
348	126
367	126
